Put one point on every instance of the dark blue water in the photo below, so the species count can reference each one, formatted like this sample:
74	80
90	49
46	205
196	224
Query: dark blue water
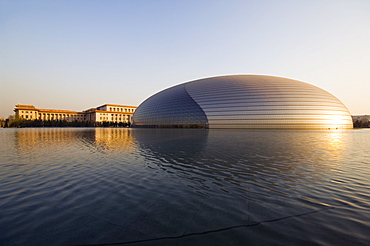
105	186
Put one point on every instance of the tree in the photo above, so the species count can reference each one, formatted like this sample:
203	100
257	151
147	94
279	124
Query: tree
357	124
2	123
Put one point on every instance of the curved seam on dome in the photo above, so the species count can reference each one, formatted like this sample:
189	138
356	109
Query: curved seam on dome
185	85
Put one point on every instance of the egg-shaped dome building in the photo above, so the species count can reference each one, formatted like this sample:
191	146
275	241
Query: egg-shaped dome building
243	101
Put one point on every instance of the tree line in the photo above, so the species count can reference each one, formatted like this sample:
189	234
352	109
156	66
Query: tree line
361	124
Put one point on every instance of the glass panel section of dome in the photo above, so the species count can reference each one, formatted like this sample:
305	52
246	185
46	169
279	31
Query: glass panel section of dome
246	102
171	108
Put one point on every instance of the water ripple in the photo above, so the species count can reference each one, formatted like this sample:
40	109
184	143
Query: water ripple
65	186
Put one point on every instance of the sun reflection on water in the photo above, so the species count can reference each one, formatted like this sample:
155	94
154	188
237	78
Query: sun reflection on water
335	140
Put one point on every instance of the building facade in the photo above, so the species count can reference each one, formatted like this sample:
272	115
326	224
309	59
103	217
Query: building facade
103	113
245	102
110	113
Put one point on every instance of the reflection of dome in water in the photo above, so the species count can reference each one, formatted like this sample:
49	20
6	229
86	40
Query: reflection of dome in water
243	101
171	144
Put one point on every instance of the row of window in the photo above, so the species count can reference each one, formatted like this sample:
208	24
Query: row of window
52	116
118	115
68	115
121	109
44	114
119	119
48	117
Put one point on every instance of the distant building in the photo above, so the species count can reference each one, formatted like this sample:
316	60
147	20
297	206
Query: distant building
104	113
110	113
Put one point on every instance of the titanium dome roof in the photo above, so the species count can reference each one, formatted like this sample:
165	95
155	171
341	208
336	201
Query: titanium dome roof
243	101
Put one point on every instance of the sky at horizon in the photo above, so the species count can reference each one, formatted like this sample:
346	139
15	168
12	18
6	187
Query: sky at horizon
77	55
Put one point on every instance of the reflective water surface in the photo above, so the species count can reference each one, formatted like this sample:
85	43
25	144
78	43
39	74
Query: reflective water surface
106	186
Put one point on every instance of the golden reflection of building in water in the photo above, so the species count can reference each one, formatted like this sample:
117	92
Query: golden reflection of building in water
32	139
29	139
113	139
323	149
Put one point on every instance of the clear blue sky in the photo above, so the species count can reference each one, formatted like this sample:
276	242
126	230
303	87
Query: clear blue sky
78	54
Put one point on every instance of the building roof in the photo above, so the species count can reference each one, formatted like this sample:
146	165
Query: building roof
116	105
24	106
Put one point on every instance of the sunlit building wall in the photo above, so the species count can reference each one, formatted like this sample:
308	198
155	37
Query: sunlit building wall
244	101
111	113
104	113
30	112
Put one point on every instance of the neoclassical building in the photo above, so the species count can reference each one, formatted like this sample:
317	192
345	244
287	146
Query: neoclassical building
103	113
110	113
